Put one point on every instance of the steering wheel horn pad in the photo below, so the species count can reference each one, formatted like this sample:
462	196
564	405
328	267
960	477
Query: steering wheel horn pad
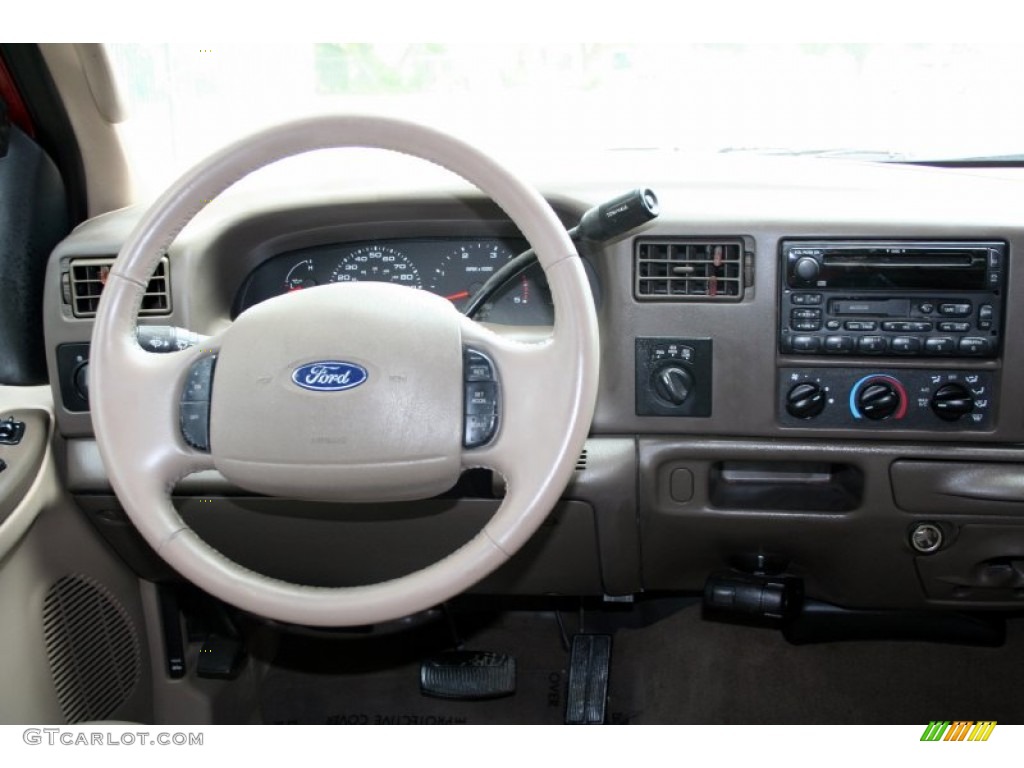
281	425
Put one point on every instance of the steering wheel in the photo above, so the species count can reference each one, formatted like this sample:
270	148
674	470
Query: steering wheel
345	392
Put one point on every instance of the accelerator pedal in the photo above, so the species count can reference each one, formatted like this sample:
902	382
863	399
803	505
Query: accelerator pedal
468	675
589	662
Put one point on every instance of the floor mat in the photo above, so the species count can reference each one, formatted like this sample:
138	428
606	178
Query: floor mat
681	669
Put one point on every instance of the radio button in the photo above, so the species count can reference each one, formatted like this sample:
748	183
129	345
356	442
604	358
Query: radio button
994	278
892	325
806	314
861	325
839	344
806	343
926	308
939	346
806	268
972	345
807	325
954	327
955	310
871	344
812	298
906	345
919	327
985	315
833	325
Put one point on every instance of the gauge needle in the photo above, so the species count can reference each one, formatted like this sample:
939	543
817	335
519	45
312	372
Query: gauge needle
457	296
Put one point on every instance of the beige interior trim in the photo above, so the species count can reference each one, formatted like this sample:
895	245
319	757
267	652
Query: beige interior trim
46	487
87	89
548	389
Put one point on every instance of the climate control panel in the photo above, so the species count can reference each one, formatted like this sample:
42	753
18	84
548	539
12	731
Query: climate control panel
859	398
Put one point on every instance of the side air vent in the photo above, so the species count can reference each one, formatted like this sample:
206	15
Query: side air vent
92	647
88	276
581	462
689	270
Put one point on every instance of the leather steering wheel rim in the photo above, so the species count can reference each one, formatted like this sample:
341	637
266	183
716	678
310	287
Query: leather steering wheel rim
548	389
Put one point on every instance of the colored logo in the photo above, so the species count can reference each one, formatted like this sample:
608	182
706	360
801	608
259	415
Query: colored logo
329	376
959	730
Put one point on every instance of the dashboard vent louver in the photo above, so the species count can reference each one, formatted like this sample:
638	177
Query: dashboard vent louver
88	276
689	270
581	462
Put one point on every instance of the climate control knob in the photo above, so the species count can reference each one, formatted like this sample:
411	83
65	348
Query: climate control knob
672	383
951	401
879	399
806	400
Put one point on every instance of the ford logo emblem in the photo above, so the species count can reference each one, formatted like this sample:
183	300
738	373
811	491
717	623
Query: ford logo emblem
329	376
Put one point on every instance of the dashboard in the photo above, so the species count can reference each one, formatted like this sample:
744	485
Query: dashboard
454	268
782	385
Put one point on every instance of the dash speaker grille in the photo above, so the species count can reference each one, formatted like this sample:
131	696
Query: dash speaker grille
92	647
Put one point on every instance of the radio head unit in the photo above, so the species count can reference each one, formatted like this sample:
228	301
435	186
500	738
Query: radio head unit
892	298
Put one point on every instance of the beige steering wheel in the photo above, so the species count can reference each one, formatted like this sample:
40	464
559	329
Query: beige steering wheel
397	434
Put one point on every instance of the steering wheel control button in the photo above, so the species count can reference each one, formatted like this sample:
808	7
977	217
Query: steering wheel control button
481	394
195	403
478	367
199	381
479	430
481	398
11	431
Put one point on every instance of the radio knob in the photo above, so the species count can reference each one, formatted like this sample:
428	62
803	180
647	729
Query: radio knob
673	384
951	401
806	269
878	400
805	400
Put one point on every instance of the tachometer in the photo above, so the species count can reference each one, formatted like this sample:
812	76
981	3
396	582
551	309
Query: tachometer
464	269
377	263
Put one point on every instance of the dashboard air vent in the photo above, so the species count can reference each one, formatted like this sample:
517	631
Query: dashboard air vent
689	270
88	276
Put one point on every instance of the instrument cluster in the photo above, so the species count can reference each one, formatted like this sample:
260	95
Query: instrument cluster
450	267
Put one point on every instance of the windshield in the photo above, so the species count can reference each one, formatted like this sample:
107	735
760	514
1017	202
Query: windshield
888	102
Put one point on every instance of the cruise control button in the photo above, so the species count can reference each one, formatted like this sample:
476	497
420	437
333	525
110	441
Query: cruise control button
871	344
478	367
939	346
479	430
973	345
839	344
199	382
481	398
906	345
195	424
806	343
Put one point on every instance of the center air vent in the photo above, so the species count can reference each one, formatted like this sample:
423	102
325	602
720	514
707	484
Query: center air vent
88	276
690	270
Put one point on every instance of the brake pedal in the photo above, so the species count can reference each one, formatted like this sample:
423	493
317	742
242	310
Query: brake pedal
468	675
589	663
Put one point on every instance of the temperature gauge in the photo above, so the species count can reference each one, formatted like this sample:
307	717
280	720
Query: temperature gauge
300	276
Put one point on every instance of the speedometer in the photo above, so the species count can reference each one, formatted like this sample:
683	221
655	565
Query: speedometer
377	263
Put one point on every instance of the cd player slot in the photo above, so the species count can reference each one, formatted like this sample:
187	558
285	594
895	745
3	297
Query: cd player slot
902	262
